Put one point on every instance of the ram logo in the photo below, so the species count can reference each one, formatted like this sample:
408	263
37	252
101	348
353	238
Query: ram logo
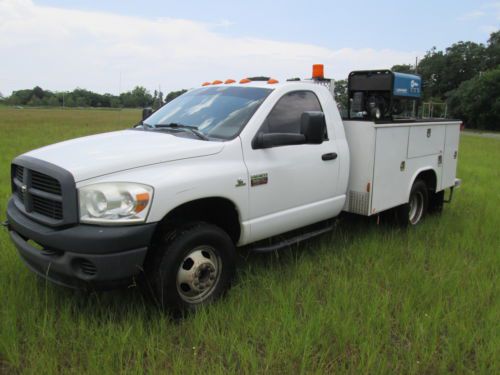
24	189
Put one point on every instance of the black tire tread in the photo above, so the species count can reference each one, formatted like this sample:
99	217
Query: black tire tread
162	251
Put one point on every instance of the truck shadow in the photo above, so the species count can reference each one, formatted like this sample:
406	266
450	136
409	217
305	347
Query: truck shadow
346	228
136	299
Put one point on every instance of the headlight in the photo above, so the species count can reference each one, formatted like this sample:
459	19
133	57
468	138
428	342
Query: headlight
115	203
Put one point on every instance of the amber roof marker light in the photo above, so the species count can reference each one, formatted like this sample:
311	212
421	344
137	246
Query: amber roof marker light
216	82
245	80
206	84
272	81
318	71
229	81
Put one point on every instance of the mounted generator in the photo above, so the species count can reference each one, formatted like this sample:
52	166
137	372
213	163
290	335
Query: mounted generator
383	95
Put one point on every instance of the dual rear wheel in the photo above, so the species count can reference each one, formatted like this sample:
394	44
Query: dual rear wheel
421	201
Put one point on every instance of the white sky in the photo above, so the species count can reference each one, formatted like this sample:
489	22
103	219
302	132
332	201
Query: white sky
60	49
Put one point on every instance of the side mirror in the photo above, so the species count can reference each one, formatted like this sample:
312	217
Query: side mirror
268	140
313	126
146	112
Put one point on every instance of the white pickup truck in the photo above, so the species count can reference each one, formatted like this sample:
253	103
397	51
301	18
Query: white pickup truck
222	166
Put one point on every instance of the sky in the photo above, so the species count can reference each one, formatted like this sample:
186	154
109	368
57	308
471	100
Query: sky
114	45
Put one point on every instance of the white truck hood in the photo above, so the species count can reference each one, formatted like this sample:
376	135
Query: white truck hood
101	154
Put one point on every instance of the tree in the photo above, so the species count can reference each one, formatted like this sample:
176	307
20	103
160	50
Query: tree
445	71
404	68
38	92
493	50
53	101
115	102
174	94
477	101
138	97
341	93
20	97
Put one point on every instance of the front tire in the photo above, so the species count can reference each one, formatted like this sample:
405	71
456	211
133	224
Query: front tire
194	266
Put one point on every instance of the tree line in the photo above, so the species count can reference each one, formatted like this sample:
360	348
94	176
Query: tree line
465	76
139	97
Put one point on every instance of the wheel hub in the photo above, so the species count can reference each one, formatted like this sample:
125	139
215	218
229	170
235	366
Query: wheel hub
198	274
204	276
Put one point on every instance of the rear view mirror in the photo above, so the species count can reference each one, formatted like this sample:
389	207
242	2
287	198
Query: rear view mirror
313	126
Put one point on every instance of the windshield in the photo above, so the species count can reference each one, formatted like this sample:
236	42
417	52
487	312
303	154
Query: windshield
217	112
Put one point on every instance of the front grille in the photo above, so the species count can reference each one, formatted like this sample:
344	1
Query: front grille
45	183
19	173
38	194
47	207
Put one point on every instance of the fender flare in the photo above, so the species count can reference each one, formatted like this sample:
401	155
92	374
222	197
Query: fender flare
417	173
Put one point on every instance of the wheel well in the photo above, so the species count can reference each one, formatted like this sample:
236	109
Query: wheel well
430	179
218	211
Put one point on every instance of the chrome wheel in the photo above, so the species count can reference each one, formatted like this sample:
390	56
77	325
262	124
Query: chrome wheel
198	274
416	207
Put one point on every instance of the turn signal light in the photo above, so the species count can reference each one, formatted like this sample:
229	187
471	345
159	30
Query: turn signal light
318	71
206	84
228	81
142	202
272	81
216	82
245	80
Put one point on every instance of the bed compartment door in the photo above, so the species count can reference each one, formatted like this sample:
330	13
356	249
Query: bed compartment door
426	140
450	155
390	180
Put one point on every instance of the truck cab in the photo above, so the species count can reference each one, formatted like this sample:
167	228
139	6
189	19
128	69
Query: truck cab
223	166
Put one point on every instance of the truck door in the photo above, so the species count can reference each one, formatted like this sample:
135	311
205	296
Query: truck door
294	185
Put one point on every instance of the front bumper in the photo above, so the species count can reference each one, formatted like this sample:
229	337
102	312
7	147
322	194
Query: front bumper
83	255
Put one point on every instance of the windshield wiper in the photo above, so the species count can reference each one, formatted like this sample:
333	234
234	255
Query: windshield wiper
192	129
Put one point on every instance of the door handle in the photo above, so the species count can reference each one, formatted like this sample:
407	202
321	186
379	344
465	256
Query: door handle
329	156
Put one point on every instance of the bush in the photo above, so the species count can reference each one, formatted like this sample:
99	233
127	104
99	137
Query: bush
477	101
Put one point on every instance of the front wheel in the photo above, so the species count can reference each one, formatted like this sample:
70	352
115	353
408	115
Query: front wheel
193	267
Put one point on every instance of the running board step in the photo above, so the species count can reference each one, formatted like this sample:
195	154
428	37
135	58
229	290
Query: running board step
291	241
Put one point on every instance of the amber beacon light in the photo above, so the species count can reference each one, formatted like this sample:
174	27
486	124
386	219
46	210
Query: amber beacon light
318	71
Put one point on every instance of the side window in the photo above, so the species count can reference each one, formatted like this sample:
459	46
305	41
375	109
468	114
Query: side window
285	116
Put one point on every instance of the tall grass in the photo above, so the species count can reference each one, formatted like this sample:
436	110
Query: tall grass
364	299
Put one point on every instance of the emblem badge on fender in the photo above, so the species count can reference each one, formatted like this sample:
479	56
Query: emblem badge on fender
240	183
259	179
24	189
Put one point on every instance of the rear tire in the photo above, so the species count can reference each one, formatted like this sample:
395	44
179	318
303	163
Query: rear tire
414	211
193	267
436	202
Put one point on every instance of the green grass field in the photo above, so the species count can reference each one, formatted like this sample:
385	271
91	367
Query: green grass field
365	299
